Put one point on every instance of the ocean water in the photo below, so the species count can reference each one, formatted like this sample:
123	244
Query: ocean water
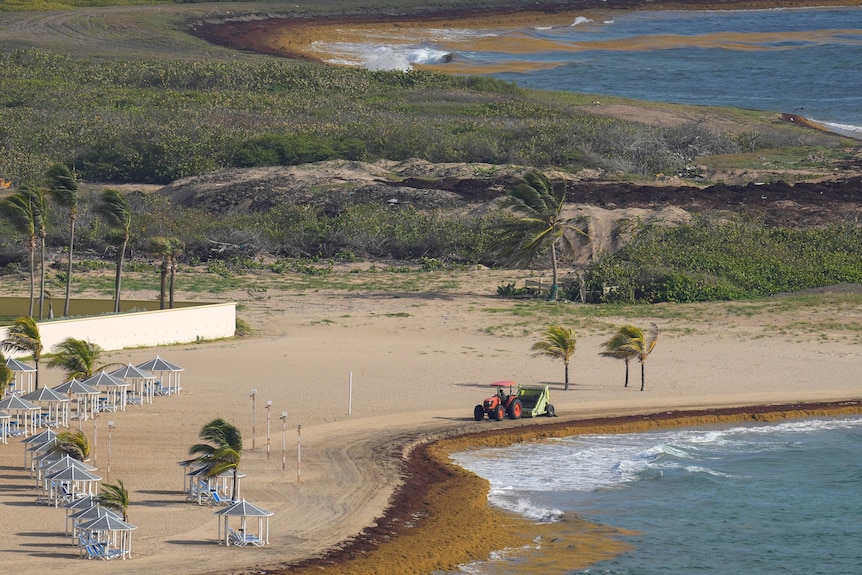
803	61
754	499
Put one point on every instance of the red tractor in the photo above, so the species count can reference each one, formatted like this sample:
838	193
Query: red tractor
500	404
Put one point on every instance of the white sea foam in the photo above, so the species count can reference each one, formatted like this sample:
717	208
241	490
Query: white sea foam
844	129
394	57
581	20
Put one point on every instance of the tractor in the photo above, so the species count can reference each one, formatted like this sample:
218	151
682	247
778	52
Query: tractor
527	401
500	404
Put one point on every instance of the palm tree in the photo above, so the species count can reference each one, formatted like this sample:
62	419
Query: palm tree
559	343
639	345
222	452
23	336
20	212
6	375
63	187
115	496
73	444
619	347
40	214
538	205
169	249
76	357
115	210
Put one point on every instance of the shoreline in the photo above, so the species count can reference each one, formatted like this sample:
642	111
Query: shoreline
466	528
289	36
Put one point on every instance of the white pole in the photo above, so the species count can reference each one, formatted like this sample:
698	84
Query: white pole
350	393
298	454
283	440
268	405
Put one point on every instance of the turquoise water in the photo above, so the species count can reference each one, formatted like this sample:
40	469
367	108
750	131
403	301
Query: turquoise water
806	61
803	61
755	500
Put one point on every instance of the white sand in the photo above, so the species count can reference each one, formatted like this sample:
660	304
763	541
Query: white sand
420	363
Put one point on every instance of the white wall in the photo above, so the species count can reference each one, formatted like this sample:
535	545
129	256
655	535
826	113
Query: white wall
142	329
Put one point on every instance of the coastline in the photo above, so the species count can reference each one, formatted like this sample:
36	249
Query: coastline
459	526
377	493
289	36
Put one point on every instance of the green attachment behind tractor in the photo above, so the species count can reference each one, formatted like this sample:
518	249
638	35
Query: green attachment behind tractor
536	400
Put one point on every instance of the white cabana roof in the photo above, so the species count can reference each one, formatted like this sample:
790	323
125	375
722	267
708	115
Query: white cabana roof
41	437
15	403
159	364
76	387
108	522
73	473
104	379
132	372
4	415
45	394
244	509
92	512
16	365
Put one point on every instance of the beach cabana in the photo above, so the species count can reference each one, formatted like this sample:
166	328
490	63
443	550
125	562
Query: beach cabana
167	372
49	465
76	506
201	487
114	390
112	537
55	407
86	398
24	374
70	484
84	513
5	424
37	439
241	536
24	413
143	382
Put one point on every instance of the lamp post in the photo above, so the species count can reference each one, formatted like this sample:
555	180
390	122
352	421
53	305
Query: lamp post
110	429
252	396
283	440
95	437
268	405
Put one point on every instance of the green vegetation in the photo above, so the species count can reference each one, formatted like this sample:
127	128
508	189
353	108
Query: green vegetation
714	259
156	121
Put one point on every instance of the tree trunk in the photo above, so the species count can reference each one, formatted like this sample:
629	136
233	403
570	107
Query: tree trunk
118	279
163	285
32	275
173	280
627	373
552	294
69	267
567	376
42	280
643	375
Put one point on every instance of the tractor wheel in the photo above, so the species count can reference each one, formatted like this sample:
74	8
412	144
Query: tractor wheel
550	411
478	413
515	409
499	413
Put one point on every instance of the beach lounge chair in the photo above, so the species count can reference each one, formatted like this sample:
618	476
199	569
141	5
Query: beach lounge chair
241	539
216	499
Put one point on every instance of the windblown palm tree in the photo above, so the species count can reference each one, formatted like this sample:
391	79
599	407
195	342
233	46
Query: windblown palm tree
539	224
640	345
21	213
115	496
74	444
169	249
222	452
559	343
6	375
40	213
77	357
63	187
619	347
24	337
115	210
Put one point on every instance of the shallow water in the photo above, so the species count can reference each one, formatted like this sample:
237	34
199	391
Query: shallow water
759	500
804	61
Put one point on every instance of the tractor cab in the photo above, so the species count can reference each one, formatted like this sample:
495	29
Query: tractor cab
501	403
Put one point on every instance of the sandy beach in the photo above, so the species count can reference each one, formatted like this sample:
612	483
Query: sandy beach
419	362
